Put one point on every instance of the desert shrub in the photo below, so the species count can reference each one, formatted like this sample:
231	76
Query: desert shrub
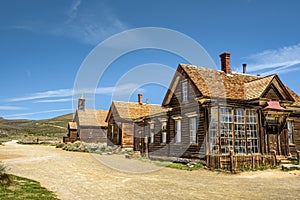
59	145
4	178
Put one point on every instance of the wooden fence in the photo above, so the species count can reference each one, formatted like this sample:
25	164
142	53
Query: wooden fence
240	162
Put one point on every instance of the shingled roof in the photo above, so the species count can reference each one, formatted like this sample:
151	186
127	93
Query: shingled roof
236	86
72	125
92	117
132	110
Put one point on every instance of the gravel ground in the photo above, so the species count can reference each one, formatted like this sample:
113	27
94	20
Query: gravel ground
73	175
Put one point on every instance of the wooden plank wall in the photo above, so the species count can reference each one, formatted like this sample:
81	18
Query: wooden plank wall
179	108
296	147
96	135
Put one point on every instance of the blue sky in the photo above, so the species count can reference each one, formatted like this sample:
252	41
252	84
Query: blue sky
43	44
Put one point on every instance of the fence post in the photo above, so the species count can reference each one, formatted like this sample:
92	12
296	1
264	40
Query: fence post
298	157
275	160
232	168
252	160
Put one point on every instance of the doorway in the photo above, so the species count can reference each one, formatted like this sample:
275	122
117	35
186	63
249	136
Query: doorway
272	132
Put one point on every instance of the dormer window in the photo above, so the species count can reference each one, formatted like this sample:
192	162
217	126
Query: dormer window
184	91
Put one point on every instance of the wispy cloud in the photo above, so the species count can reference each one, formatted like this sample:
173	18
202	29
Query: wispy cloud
42	95
73	9
86	22
53	100
281	60
61	94
11	108
35	113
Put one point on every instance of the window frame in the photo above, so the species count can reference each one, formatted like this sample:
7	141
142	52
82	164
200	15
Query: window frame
178	132
164	132
224	135
290	132
185	91
112	131
151	132
193	130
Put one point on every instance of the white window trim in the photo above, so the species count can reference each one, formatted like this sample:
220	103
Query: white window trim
112	131
184	92
292	132
164	132
151	129
194	130
178	131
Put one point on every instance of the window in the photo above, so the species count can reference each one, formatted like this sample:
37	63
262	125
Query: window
251	130
104	133
192	122
90	133
213	131
151	133
184	91
112	131
226	129
178	131
164	132
290	131
239	131
233	129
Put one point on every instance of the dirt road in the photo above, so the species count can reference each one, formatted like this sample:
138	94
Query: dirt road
85	176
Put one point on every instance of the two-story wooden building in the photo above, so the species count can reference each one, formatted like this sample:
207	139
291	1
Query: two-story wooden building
221	113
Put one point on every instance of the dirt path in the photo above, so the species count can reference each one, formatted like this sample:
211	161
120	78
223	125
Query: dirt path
85	176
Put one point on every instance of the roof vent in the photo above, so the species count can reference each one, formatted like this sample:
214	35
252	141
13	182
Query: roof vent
244	68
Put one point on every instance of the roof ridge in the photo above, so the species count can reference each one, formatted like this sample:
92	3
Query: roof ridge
137	103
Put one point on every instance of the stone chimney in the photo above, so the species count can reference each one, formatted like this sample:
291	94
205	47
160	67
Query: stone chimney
81	104
225	62
140	99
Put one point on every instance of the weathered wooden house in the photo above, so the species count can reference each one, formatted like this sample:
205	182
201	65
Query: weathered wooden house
89	125
72	133
120	119
215	114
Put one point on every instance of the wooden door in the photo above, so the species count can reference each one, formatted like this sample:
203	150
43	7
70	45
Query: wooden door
273	142
272	132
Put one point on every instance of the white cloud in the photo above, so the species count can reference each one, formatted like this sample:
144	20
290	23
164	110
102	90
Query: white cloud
11	108
49	96
42	95
87	22
74	8
35	113
53	100
281	60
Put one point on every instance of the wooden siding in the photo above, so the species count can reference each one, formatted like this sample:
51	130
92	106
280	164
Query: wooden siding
183	110
296	146
123	131
273	94
92	135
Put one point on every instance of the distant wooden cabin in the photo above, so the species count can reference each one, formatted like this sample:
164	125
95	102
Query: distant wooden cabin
217	113
90	124
72	133
120	119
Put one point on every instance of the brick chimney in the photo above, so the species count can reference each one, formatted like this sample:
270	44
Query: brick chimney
140	99
225	62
